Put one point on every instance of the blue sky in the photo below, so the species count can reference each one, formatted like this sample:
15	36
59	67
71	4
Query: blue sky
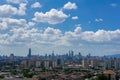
86	26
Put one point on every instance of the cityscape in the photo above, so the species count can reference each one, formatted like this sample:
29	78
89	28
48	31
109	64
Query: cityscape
69	66
59	39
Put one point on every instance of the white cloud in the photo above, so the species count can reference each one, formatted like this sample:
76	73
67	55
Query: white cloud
99	20
8	10
3	26
31	23
52	17
34	36
8	23
20	32
75	17
113	5
22	9
17	1
52	34
100	36
36	5
70	5
4	39
21	35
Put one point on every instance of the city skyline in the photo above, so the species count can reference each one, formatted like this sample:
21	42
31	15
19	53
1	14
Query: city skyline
86	26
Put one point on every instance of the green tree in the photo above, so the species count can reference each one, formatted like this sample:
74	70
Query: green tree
28	75
26	70
14	71
88	75
1	76
102	77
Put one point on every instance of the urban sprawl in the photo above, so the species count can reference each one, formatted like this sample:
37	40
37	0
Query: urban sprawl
69	66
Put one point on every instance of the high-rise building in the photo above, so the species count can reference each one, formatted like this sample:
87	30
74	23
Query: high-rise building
53	55
85	63
71	53
29	54
11	56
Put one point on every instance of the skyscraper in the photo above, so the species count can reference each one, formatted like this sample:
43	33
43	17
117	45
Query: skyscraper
29	54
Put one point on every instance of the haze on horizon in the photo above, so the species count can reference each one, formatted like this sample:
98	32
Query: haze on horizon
86	26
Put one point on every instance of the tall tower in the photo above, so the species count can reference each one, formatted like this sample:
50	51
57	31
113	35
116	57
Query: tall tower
29	54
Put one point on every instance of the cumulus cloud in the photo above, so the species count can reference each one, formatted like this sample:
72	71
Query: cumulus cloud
100	36
36	5
8	23
17	1
8	10
52	34
4	39
3	26
52	17
25	35
21	35
70	5
22	9
75	17
18	31
31	23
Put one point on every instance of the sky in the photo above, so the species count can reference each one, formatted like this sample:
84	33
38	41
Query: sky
86	26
